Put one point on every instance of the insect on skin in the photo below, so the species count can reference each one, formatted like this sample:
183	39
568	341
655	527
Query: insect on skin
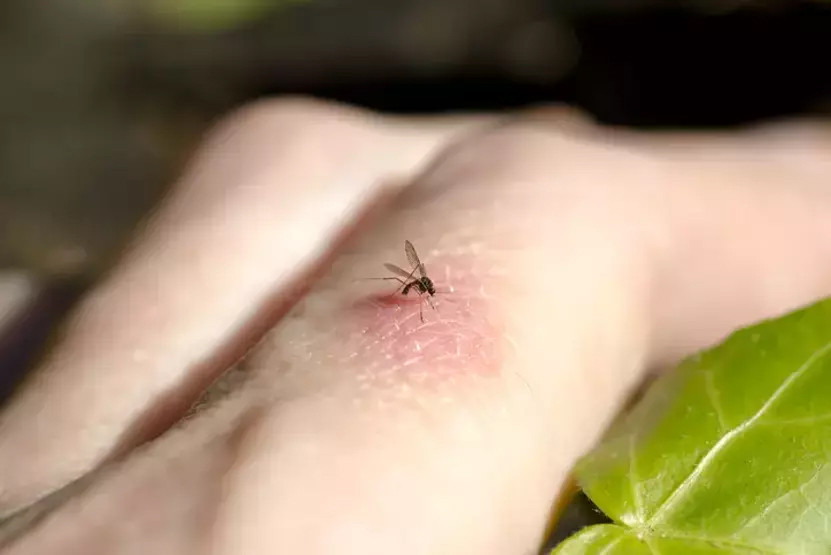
422	284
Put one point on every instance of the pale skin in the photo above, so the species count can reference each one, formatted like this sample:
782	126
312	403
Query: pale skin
569	261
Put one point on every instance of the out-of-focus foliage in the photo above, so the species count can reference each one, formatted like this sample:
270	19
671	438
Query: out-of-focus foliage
210	15
102	100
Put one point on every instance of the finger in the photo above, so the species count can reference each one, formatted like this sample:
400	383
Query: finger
391	435
372	423
745	232
371	435
738	224
261	207
161	499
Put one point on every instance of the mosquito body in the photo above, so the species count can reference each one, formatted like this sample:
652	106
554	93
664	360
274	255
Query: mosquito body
424	284
416	280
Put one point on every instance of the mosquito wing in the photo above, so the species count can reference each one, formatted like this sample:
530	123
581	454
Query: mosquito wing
412	257
399	271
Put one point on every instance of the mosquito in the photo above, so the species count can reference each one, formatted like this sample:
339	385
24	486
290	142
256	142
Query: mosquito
422	284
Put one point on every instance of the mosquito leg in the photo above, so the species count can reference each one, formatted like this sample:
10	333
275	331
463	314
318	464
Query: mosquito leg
398	279
420	305
406	281
403	285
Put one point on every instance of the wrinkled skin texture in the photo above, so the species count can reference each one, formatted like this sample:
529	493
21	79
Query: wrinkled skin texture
569	260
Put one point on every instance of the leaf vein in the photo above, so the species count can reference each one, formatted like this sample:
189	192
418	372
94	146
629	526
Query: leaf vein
680	491
717	541
651	546
712	395
817	419
770	506
611	545
634	481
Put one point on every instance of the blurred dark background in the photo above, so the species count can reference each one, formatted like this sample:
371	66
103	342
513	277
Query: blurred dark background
102	100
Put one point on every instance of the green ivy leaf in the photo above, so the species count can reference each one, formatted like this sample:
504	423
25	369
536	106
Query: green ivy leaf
730	453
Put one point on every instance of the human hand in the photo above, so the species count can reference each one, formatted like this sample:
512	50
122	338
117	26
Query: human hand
569	259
